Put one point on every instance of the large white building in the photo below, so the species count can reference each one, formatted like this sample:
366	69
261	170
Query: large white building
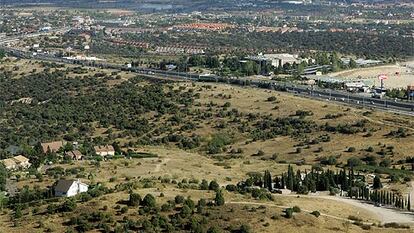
278	59
17	162
70	188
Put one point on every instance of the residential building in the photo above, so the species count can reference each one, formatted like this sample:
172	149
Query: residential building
74	155
52	146
10	164
277	60
105	150
69	188
22	162
17	162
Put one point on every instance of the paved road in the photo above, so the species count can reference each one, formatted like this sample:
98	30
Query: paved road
306	91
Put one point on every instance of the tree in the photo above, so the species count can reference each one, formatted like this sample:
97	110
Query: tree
377	182
134	199
3	177
204	185
352	63
2	54
185	211
289	213
214	185
244	229
18	211
219	199
68	206
267	180
290	178
213	230
179	199
149	201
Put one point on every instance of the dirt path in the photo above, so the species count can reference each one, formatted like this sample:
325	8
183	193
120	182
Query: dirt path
388	124
158	166
284	207
384	215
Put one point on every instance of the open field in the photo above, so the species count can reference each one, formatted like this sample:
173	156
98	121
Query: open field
185	168
399	76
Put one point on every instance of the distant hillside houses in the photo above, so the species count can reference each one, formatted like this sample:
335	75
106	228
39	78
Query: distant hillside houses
17	162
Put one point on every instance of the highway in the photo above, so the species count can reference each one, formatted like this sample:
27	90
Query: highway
343	97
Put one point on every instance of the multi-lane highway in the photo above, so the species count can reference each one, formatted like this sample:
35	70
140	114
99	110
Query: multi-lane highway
306	91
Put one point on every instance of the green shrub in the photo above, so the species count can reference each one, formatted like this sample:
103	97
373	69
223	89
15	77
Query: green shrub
316	213
296	209
288	213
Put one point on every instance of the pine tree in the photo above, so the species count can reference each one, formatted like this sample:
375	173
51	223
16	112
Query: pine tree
219	199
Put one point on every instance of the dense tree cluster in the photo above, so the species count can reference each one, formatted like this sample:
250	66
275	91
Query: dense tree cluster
347	182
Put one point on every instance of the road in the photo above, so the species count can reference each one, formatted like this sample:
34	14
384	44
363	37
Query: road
351	99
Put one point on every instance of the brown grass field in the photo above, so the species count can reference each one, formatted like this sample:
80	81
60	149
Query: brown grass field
178	164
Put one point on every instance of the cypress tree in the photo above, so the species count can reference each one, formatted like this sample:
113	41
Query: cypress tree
409	202
393	198
267	180
290	178
377	182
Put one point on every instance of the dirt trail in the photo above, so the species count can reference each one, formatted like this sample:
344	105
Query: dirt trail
388	124
158	166
384	215
284	207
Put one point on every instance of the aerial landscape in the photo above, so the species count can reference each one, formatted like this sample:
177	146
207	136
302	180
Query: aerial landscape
206	116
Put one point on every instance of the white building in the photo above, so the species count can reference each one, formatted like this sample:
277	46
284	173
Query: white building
70	188
105	150
17	162
279	59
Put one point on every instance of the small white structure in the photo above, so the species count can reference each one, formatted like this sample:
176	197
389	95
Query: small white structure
70	188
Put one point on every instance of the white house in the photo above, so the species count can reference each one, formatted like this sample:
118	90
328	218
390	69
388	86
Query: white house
69	188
